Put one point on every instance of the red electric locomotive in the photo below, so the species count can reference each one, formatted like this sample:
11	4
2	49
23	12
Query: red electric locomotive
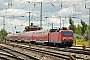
60	37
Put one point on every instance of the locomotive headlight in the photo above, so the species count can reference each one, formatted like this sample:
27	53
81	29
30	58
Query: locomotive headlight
64	39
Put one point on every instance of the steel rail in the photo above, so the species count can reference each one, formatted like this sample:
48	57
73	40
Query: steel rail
5	49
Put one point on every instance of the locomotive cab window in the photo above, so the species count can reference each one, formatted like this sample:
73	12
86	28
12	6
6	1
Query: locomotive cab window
67	33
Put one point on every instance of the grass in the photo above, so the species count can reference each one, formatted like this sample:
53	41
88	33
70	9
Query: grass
81	42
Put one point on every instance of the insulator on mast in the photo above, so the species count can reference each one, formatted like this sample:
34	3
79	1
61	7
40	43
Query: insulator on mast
85	6
61	5
34	5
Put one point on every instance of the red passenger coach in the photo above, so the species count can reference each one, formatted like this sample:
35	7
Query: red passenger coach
42	36
60	37
10	37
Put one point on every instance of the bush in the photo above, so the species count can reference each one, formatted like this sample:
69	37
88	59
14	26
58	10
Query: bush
86	37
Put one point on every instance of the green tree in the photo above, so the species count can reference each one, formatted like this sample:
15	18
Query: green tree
78	29
71	26
3	34
84	27
24	30
86	33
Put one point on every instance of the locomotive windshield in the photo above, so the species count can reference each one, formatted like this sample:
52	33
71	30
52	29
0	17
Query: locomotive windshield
67	33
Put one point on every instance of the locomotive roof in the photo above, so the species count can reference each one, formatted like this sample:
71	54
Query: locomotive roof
66	30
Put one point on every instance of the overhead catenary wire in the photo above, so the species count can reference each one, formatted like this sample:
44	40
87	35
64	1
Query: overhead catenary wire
42	15
53	12
19	10
48	11
66	8
9	4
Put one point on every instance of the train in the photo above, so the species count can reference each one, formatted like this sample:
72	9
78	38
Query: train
57	37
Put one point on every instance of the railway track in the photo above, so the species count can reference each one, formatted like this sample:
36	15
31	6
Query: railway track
55	52
13	54
71	50
5	56
39	51
60	52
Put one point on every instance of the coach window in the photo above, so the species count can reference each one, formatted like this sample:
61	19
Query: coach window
33	32
39	32
36	32
42	32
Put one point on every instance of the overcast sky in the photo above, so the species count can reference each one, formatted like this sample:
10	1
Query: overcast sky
13	10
